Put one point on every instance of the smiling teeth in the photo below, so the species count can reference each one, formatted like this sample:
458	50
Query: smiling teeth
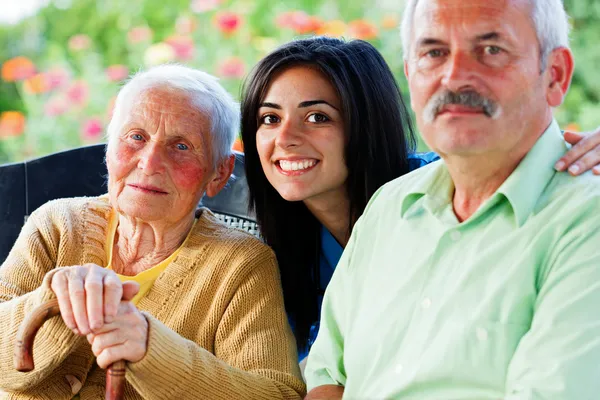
296	165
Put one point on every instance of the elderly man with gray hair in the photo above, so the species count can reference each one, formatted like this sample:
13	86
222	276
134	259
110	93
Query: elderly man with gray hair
194	307
477	277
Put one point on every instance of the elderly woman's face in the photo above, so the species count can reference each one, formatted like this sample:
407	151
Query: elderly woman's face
159	162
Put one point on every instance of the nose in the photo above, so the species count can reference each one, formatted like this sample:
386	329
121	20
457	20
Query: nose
289	135
151	159
460	72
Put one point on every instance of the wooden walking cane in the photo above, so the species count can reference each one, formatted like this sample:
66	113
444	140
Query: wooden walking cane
23	355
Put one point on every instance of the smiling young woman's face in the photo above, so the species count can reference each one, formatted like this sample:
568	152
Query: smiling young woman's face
300	137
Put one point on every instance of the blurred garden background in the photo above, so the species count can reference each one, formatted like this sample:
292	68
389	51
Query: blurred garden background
62	61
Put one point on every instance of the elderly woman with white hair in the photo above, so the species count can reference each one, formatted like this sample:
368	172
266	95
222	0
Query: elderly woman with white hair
194	307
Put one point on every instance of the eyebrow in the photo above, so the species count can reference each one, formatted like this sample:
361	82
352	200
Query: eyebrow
303	104
488	36
479	38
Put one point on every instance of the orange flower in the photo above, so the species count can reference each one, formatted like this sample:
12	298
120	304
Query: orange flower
17	69
12	123
110	108
238	145
37	84
573	127
183	46
185	25
390	21
80	42
232	67
335	28
361	29
227	22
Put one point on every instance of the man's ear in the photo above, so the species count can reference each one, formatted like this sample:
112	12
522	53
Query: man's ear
560	69
406	69
223	172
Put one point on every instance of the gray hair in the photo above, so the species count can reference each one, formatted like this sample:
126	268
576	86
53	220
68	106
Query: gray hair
205	93
549	17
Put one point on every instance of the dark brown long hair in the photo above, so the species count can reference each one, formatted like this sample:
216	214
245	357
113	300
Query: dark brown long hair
379	138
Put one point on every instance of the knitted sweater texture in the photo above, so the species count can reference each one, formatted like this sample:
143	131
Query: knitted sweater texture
217	325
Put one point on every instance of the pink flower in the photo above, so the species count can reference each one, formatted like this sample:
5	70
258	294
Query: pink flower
139	34
299	21
185	25
200	6
182	45
57	77
232	68
56	106
78	92
80	42
228	22
117	72
92	129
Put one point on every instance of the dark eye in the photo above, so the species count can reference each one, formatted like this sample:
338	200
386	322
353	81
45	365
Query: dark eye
182	146
269	119
435	53
492	50
318	118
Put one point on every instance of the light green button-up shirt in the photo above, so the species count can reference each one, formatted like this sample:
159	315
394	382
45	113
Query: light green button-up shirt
505	305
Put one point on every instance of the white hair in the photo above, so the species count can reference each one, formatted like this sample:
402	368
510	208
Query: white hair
205	93
549	18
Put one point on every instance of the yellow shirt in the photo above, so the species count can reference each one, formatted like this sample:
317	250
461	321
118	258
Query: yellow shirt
145	278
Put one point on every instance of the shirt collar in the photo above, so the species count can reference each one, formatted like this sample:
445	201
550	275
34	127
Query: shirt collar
525	185
522	188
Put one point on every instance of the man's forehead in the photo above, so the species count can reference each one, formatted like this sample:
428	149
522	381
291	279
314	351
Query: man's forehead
431	14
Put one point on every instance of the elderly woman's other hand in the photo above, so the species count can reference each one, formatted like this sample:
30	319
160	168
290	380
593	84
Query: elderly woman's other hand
89	296
126	338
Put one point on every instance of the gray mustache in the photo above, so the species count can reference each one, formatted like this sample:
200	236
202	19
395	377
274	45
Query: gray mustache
469	99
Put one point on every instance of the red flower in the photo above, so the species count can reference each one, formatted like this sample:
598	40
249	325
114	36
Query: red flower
17	69
80	42
232	67
228	22
92	129
182	45
78	93
117	72
299	21
55	106
361	29
139	34
56	77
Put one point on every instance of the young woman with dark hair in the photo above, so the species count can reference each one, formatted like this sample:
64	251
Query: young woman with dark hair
324	126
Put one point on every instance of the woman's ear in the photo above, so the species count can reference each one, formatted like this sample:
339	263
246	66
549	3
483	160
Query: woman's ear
223	172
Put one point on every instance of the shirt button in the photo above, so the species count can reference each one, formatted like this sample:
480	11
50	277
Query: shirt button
455	235
399	368
74	383
482	334
426	303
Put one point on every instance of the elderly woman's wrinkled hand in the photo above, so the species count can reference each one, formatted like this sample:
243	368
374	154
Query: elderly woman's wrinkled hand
89	296
126	338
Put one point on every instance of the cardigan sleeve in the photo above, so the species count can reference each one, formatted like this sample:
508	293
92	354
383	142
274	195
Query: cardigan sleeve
255	354
25	278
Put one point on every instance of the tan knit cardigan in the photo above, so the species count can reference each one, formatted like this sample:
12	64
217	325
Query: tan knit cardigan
217	326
